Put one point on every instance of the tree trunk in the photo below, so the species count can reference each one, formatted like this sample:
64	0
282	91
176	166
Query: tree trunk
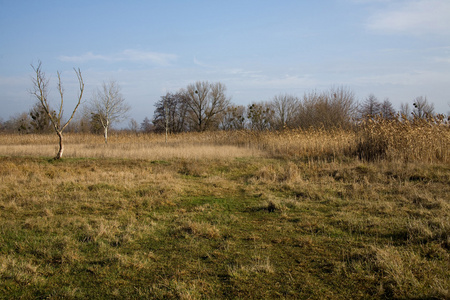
61	146
106	134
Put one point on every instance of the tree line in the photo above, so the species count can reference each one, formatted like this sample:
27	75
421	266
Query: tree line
203	106
194	109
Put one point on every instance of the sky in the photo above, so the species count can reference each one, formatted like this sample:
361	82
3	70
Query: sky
396	49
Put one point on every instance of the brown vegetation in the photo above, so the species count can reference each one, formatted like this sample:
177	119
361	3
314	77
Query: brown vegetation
240	214
394	139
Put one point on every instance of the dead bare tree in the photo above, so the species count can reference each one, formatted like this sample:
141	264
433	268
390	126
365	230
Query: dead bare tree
109	105
40	91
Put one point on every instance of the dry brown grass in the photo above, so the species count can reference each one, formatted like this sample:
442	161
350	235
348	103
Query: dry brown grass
144	146
247	228
394	140
221	144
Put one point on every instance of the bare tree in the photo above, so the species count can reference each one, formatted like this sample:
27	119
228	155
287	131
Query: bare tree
19	123
342	106
405	111
285	110
234	118
133	126
109	106
422	108
206	104
146	125
41	93
387	109
260	116
333	108
370	107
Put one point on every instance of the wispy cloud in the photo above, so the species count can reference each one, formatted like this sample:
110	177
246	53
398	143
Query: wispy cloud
201	63
415	17
126	55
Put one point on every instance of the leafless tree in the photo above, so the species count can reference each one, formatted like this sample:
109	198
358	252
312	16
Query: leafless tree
405	111
234	118
285	110
333	108
19	123
370	107
109	106
206	103
342	106
260	116
387	109
422	108
40	91
133	126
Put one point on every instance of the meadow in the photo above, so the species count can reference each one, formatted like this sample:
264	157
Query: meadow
309	214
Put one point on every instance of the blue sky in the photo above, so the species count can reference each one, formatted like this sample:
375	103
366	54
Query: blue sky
396	49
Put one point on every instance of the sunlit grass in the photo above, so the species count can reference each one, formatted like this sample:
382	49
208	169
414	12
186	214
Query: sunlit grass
393	140
293	214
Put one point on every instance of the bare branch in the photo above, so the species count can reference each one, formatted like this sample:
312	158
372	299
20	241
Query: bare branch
40	84
61	93
80	95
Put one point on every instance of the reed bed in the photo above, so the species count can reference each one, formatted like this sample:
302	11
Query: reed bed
400	139
393	139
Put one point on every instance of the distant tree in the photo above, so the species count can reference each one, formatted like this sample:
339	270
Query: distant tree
341	107
22	123
387	109
81	121
18	124
285	110
40	84
171	112
5	125
109	106
260	116
234	118
405	111
206	103
133	126
146	125
95	124
40	121
333	108
370	107
422	108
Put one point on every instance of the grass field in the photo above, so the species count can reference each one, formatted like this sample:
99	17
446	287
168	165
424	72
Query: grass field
238	215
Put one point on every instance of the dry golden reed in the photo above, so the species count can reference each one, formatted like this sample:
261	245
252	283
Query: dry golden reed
392	139
424	140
